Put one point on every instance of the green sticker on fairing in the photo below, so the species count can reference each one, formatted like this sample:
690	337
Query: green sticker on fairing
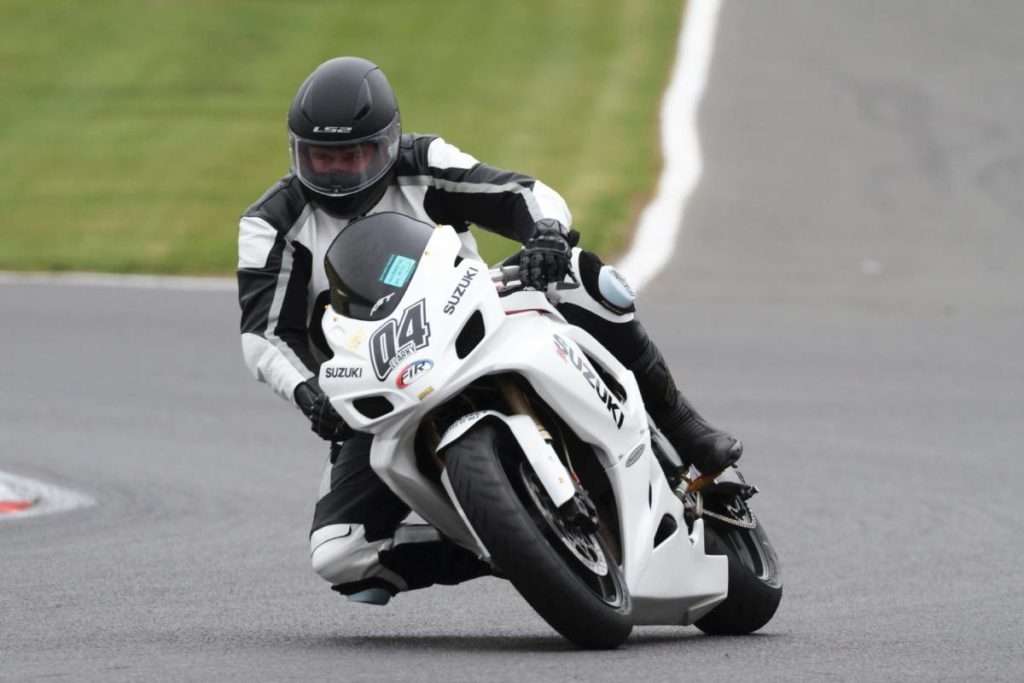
397	271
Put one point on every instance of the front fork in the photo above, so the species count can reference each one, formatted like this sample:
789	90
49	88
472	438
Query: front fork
520	405
579	511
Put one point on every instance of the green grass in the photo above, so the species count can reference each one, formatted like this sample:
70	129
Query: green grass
133	134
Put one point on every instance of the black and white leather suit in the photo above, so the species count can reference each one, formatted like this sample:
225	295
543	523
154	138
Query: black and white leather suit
358	538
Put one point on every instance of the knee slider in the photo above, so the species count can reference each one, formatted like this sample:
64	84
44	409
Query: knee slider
605	284
615	291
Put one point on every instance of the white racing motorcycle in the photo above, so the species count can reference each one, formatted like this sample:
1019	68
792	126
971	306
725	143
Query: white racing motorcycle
522	439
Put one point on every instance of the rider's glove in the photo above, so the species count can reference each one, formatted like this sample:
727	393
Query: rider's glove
545	256
314	404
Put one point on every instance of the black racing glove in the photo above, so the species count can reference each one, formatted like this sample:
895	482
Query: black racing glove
324	419
545	256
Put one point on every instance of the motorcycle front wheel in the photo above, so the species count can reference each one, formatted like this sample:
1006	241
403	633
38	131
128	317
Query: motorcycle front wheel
565	573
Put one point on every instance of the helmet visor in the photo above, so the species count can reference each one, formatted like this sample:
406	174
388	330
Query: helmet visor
338	169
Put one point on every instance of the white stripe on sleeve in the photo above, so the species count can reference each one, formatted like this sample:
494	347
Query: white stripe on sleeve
550	204
255	240
267	364
442	155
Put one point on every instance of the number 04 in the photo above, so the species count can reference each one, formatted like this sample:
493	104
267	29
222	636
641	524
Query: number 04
392	340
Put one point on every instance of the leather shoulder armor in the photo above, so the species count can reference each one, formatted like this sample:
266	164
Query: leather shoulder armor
412	154
281	205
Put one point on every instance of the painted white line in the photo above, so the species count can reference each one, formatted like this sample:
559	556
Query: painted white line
172	282
659	225
46	498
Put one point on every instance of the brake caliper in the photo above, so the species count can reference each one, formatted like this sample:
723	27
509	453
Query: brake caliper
580	512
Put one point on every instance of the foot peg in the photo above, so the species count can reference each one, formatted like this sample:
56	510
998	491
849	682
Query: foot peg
723	498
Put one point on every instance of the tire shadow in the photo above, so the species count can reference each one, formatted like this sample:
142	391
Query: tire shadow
536	644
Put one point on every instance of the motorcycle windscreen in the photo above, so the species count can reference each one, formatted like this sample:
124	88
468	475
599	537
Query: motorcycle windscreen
371	263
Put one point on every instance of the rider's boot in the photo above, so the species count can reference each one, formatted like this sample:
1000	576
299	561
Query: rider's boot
430	559
699	444
421	558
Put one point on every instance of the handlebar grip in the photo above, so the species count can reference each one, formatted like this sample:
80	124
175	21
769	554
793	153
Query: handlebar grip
505	274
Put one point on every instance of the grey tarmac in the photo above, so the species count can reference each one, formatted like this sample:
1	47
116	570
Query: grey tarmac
847	296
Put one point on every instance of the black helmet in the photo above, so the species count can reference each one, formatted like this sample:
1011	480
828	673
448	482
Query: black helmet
344	130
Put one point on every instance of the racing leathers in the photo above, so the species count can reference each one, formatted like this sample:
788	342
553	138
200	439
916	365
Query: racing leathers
358	540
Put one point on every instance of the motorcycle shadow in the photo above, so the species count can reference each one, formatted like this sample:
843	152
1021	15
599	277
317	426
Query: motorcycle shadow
503	643
452	643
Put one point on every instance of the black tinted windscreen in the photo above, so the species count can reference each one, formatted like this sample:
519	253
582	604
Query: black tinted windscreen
370	264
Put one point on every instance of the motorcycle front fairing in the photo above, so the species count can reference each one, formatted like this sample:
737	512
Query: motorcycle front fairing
387	374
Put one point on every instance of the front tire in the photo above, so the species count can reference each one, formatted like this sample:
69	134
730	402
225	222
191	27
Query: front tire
574	583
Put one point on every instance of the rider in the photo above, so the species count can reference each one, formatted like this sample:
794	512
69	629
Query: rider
349	159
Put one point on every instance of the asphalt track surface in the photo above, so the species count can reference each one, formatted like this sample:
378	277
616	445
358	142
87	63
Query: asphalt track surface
847	296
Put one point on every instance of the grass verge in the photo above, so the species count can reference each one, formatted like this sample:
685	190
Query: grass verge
133	134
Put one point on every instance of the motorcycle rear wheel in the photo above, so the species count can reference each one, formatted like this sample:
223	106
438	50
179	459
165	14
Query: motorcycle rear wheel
568	577
755	579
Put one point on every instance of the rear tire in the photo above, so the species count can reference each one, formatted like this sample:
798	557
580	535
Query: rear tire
755	581
513	520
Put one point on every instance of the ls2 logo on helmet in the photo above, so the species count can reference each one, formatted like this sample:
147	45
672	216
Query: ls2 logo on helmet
393	342
412	372
332	129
